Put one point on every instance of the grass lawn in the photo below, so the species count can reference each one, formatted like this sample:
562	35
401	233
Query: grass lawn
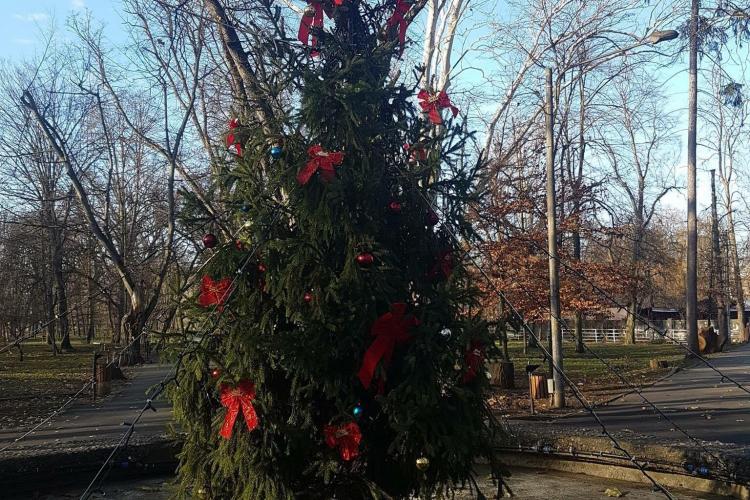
31	389
591	376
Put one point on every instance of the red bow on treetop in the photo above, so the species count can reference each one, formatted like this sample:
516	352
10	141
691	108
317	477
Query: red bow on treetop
236	399
214	292
320	160
473	358
397	18
231	139
389	329
312	17
346	437
432	104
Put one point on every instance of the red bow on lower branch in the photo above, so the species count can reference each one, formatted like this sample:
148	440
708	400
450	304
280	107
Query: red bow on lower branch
236	399
214	292
432	104
389	329
232	141
346	437
473	358
397	19
322	161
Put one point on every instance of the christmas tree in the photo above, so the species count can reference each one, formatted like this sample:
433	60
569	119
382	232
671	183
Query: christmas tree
338	349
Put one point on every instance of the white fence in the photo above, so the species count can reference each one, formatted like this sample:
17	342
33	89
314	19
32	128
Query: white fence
616	335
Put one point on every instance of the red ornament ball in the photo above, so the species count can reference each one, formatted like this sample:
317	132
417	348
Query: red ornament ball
307	297
365	259
394	207
261	268
432	218
210	240
215	373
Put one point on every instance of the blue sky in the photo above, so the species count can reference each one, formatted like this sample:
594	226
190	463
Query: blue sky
23	20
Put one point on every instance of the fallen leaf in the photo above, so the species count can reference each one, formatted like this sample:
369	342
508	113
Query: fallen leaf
613	492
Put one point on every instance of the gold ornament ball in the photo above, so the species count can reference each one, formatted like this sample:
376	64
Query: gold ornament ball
423	463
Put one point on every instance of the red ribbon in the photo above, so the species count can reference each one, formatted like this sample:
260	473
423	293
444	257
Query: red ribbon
432	104
390	329
320	160
473	358
231	139
347	437
214	292
397	18
238	398
310	21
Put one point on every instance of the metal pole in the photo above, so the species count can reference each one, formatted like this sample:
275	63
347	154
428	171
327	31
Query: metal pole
554	272
93	375
691	280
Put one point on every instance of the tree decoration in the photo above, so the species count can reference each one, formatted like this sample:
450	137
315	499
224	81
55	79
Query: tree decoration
210	240
307	297
320	160
398	19
238	398
389	329
357	411
433	103
232	140
416	152
261	267
346	437
365	259
214	293
394	207
445	333
245	207
473	359
215	373
423	463
312	17
276	151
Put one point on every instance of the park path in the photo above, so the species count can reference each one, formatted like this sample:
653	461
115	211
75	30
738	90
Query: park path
99	423
695	398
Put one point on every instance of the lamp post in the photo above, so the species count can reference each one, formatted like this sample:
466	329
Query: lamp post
558	397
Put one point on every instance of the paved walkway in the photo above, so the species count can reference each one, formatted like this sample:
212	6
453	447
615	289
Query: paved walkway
694	398
101	423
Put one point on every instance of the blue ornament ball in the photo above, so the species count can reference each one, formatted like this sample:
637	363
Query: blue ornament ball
245	208
357	411
276	151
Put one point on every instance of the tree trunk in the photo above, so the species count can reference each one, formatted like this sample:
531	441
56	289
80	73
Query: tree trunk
691	279
737	275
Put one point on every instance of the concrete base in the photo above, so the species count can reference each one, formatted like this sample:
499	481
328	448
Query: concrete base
621	473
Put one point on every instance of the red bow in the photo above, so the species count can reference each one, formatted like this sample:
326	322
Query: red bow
346	437
238	398
231	139
310	21
473	358
433	103
214	292
389	329
397	18
320	160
